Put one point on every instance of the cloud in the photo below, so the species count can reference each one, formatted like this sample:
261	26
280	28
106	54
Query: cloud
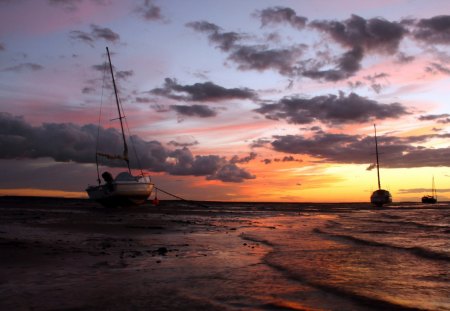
435	30
225	40
74	143
375	34
250	157
439	118
279	15
397	152
436	67
201	92
95	34
330	109
182	144
250	57
2	47
261	57
24	67
231	173
284	159
201	111
346	65
149	11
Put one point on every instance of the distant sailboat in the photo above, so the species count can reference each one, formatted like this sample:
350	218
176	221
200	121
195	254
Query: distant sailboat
379	197
430	198
125	189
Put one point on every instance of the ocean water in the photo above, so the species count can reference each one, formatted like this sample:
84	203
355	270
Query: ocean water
74	255
358	257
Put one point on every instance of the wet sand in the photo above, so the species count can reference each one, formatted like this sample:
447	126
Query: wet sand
72	254
67	254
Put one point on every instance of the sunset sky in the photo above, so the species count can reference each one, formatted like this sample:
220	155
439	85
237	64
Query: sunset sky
262	100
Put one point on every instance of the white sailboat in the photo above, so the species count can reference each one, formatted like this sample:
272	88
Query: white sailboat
125	189
379	197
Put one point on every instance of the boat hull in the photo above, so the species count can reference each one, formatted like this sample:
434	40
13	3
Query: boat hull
120	193
381	197
429	199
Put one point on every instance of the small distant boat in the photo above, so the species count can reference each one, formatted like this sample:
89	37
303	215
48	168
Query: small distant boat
379	197
125	189
431	199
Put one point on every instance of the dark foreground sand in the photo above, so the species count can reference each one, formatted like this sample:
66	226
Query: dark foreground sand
63	254
58	254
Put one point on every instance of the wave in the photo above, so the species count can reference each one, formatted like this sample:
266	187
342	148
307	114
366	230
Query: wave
412	223
252	238
416	250
361	299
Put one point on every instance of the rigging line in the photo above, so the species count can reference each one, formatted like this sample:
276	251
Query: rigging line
138	160
175	196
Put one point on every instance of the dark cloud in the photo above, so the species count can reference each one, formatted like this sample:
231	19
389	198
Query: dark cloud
261	57
201	92
374	81
278	15
74	143
104	33
24	67
397	152
439	118
124	74
437	68
149	11
284	159
231	173
435	30
96	33
330	109
224	40
250	57
2	47
374	34
261	142
82	36
250	157
88	90
402	58
201	111
182	144
346	66
143	100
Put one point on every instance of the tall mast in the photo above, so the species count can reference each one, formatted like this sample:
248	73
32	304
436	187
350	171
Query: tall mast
378	162
125	147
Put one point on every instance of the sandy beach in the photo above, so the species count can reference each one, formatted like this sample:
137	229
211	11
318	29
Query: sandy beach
68	254
74	255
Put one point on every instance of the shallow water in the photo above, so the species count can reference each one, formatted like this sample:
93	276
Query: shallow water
249	256
390	258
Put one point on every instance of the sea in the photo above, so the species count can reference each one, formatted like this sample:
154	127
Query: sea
227	256
355	256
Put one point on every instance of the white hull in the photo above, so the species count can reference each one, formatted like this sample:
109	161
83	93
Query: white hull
121	193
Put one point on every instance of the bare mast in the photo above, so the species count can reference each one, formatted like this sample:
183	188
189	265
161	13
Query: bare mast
378	162
125	147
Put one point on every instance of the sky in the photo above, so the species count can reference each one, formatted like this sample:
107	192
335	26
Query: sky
258	100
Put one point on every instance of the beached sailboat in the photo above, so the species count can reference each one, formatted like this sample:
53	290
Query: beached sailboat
379	197
430	198
125	189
